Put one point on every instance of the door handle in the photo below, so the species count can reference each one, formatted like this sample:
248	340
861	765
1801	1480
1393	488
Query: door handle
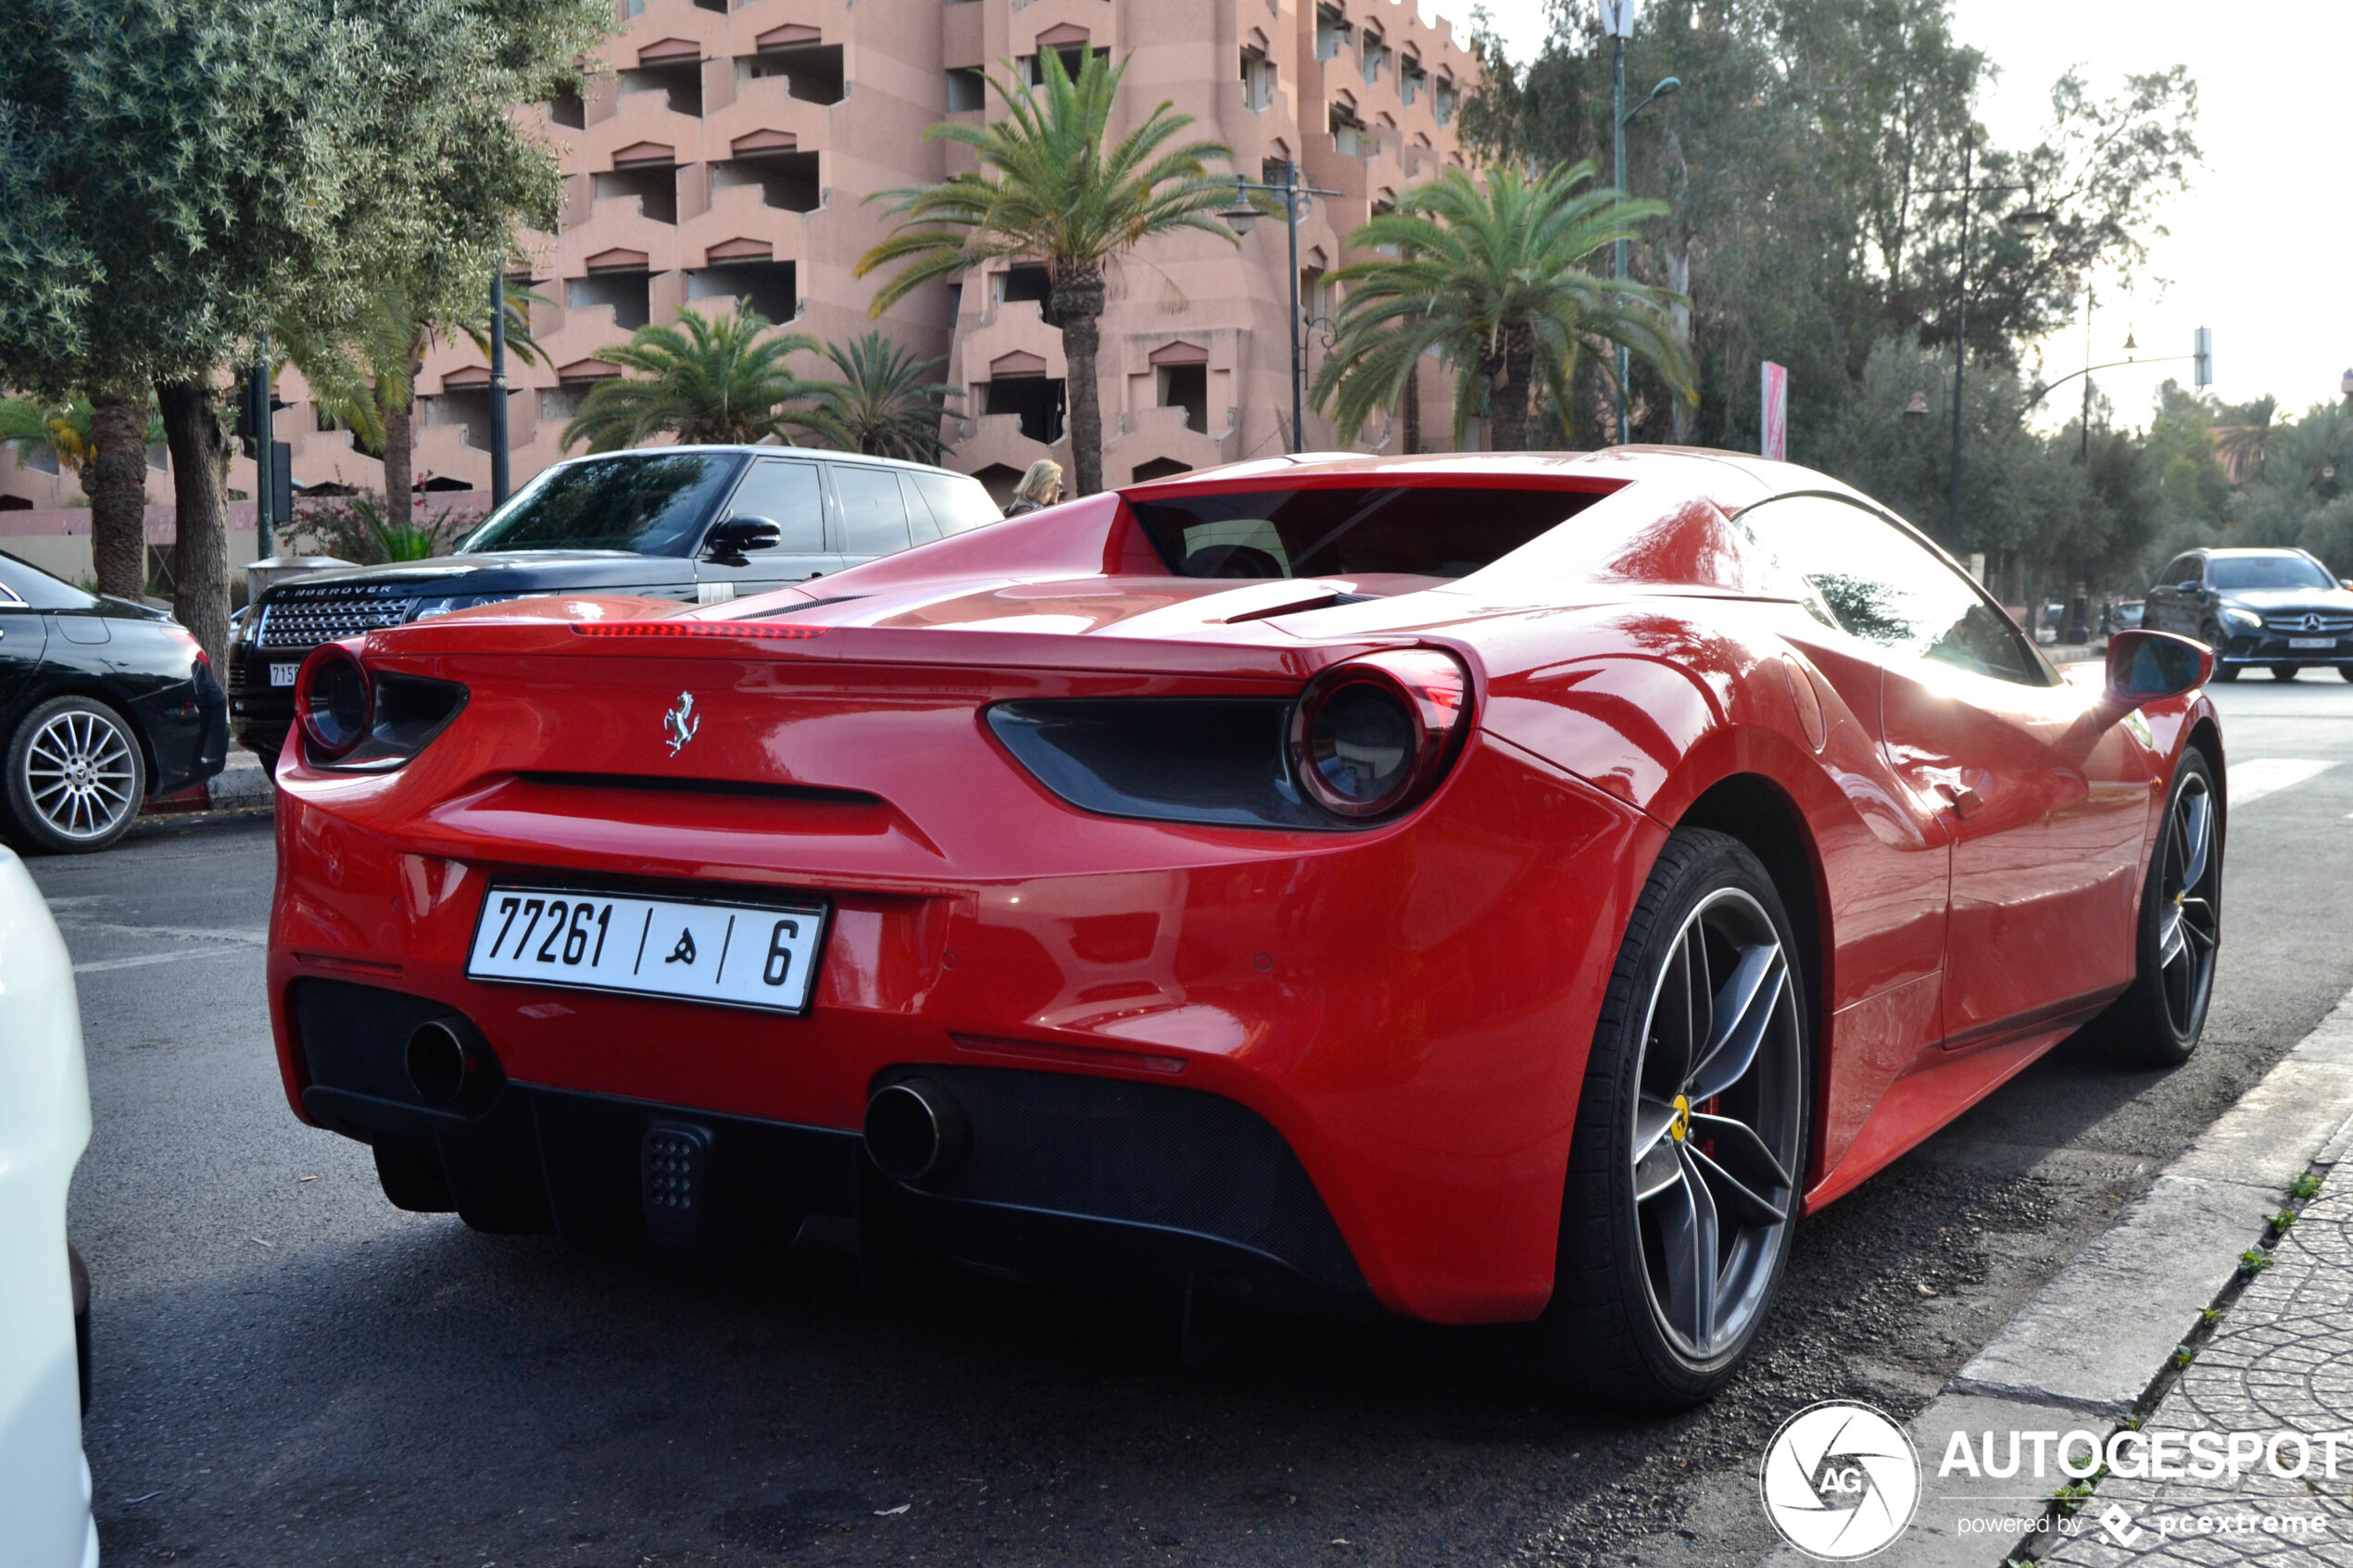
1963	799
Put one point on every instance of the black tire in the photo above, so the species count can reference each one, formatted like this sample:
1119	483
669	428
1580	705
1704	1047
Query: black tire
2157	1022
2346	671
1620	1326
2286	672
75	777
2211	635
267	756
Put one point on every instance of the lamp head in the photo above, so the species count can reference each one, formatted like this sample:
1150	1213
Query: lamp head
1617	17
2029	221
1917	407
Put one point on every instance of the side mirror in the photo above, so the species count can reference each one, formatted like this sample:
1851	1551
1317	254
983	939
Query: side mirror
2145	666
2344	582
2192	586
728	541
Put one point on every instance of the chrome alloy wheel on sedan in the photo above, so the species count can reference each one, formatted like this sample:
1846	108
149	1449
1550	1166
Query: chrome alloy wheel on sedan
1717	1123
75	776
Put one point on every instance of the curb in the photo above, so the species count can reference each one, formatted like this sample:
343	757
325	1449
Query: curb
2099	1337
243	785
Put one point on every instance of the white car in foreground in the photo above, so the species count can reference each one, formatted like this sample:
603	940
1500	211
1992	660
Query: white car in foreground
44	1123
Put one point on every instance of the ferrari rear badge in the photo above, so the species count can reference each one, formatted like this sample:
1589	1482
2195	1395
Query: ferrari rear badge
679	724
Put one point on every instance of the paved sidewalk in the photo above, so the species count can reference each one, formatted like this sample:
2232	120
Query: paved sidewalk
2281	1360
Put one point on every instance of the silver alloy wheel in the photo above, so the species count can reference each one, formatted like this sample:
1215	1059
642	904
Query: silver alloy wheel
2190	928
80	775
1717	1123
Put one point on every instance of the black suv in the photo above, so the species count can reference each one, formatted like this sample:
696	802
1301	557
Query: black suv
702	524
2275	607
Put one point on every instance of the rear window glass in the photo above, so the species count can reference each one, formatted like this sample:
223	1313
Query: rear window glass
25	586
957	503
653	506
1429	531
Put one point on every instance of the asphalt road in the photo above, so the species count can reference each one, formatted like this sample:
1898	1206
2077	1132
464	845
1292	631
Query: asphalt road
289	1370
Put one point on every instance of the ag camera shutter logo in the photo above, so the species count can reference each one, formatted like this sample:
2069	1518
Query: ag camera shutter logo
1840	1481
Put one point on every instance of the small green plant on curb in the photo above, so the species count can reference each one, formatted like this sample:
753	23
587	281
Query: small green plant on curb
2284	1219
2183	1355
2305	1187
2212	1316
2253	1261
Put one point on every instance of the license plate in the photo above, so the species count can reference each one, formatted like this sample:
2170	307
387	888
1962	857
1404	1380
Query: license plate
283	675
739	955
2311	642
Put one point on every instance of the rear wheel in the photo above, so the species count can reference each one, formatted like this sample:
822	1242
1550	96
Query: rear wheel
1691	1136
75	776
2157	1022
2346	671
2286	672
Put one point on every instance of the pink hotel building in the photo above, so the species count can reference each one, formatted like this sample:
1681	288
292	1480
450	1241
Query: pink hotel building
725	153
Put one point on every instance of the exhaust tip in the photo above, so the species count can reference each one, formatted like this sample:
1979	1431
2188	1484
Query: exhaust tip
916	1133
448	1064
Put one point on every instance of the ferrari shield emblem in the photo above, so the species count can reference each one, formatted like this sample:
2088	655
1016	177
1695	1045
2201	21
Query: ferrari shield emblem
680	723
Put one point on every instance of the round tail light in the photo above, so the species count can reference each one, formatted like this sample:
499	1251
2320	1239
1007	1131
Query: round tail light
1374	735
334	701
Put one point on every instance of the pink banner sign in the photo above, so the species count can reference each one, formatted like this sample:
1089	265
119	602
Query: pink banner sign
1776	442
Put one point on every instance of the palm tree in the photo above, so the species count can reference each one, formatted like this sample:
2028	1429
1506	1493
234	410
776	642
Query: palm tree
63	428
362	370
1050	189
703	380
883	406
2243	445
1496	281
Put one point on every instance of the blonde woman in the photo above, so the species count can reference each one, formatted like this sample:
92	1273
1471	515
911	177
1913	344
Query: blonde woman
1039	488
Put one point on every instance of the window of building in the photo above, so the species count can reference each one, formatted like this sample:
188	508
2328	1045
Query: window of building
1159	468
1331	33
1258	78
1186	387
1348	131
567	107
469	406
1073	60
787	180
681	79
1376	55
559	404
967	89
1000	480
1017	283
1410	78
628	293
718	5
1441	101
765	286
655	186
1037	401
811	72
1314	295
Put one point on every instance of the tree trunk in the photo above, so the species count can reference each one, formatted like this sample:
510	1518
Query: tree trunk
1078	307
399	455
116	478
1679	277
1409	409
1508	430
199	488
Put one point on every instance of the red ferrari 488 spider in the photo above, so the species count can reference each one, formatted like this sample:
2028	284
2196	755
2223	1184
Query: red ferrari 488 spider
1478	889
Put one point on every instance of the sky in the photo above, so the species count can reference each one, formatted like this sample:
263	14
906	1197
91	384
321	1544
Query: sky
2259	249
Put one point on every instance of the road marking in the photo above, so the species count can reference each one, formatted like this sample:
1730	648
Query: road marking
256	938
2259	776
100	965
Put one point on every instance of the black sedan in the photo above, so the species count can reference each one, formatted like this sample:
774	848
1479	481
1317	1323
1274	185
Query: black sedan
103	704
2280	609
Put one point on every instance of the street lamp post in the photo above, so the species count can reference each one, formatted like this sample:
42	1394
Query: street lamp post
1618	20
499	473
1240	218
